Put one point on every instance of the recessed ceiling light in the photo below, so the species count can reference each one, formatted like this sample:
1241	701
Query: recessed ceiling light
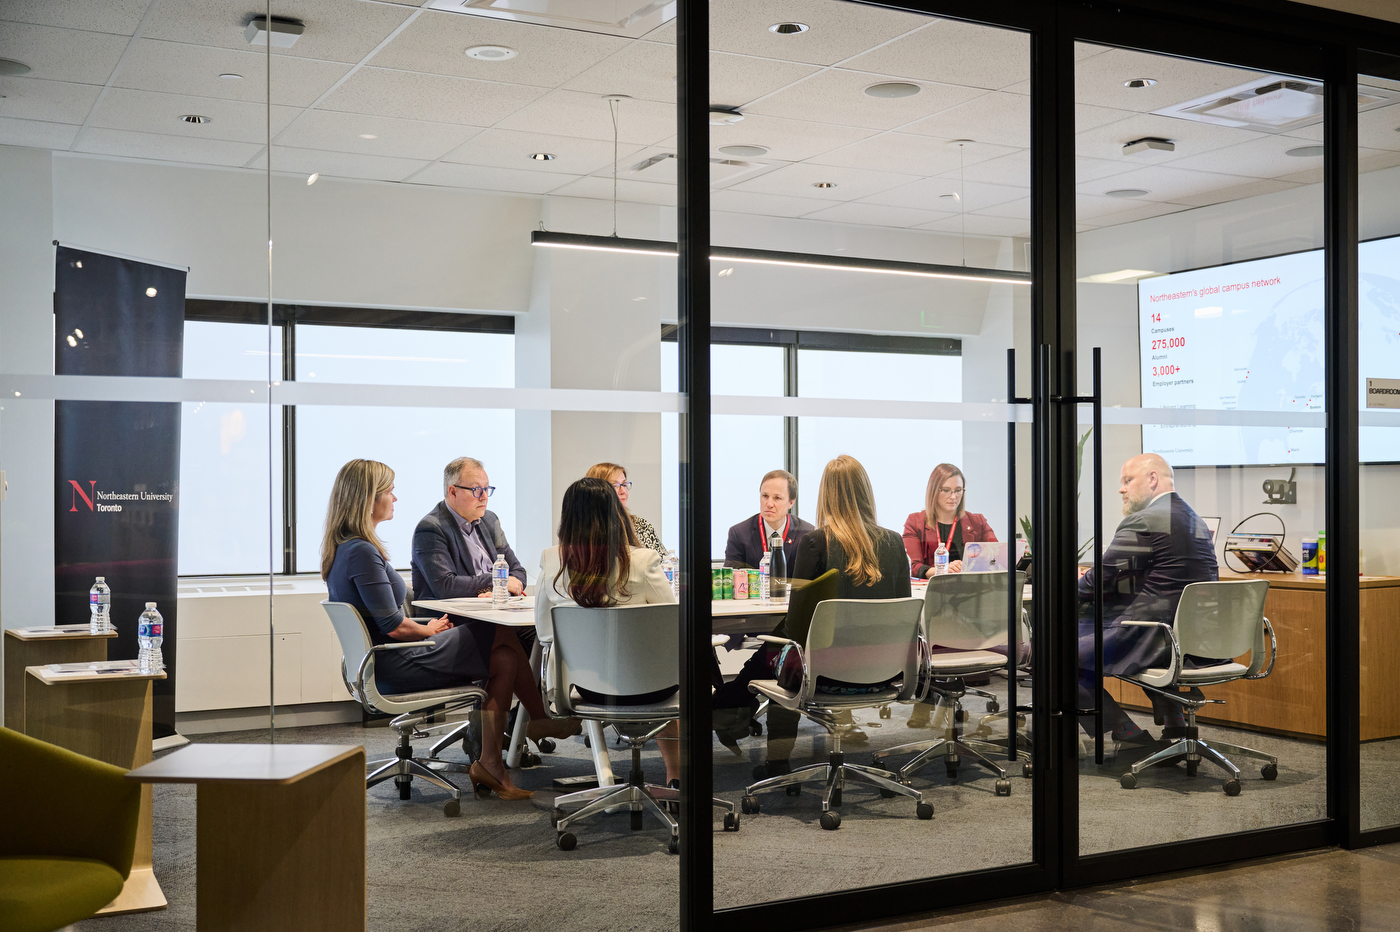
749	152
368	136
491	53
959	143
312	178
823	184
1126	192
150	292
1305	152
10	67
195	118
892	89
231	77
542	156
723	117
789	29
71	340
1139	82
950	197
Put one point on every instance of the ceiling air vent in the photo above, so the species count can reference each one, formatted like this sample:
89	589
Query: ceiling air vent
630	18
1271	104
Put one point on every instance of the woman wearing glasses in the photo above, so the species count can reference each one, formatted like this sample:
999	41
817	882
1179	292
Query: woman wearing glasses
944	520
616	476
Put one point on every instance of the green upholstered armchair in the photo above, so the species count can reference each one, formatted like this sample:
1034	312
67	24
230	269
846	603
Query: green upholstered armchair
69	833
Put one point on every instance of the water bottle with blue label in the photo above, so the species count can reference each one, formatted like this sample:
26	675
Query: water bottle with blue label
940	559
100	603
149	636
500	582
669	566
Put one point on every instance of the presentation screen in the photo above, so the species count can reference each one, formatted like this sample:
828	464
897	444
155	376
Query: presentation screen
1249	337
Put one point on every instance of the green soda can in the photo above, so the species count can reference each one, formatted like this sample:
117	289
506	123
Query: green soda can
717	584
728	582
753	584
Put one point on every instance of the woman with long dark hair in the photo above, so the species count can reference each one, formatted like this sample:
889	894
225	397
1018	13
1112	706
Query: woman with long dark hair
597	564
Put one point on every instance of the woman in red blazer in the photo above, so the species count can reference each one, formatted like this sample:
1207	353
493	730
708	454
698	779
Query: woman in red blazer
943	516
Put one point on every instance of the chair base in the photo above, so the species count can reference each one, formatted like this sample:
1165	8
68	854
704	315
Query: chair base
956	746
403	767
833	774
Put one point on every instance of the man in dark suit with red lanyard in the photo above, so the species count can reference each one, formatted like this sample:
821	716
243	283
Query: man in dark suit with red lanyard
748	540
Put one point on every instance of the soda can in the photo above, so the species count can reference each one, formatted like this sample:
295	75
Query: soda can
741	584
754	592
728	582
1309	557
717	580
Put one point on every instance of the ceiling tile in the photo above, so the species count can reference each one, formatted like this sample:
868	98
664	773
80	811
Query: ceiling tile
339	164
635	192
149	112
736	80
50	101
1376	129
1019	209
436	43
1264	157
878	215
503	148
1191	138
62	54
1234	193
798	180
341	132
837	96
36	134
1136	213
1163	182
166	148
1013	169
978	225
335	30
428	97
928	194
1086	169
999	119
770	205
571	113
912	155
838	30
118	17
791	140
644	70
953	53
505	180
1370	160
1099	80
190	69
1087	117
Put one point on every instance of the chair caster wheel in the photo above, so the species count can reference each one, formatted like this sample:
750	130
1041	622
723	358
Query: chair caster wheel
924	811
405	790
755	728
1192	767
674	846
888	794
960	715
831	821
566	841
529	760
993	706
1128	781
546	745
731	821
452	808
554	818
1269	771
793	789
1003	787
1026	771
952	771
1232	788
885	711
749	805
482	790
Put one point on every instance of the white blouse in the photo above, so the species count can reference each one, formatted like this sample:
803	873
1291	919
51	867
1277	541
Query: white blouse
646	583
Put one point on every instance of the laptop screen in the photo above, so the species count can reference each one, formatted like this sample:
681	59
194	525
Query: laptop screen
1214	525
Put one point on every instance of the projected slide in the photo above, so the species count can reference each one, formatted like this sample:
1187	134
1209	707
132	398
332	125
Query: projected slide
1249	337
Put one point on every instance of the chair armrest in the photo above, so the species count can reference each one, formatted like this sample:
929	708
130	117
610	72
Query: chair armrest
774	639
400	645
367	662
719	640
1256	661
1171	639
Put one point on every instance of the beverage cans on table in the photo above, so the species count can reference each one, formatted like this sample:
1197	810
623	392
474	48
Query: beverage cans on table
1309	556
717	583
754	591
728	578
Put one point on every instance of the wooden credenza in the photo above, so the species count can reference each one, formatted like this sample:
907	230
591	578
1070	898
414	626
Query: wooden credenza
1293	699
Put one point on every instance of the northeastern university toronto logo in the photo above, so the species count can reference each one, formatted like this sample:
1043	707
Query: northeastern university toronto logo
96	500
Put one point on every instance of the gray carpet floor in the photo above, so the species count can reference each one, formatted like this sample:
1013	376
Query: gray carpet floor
497	867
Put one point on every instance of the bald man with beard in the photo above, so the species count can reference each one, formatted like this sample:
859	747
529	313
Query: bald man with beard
1160	548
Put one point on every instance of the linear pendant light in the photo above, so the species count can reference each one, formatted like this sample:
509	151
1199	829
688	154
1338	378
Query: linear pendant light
653	247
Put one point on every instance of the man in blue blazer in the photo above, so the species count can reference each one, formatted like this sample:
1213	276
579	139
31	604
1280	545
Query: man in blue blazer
456	544
747	543
1160	548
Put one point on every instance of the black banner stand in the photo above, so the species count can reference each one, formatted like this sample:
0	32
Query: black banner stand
117	463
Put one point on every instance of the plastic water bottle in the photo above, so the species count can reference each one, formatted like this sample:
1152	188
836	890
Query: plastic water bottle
668	566
100	603
149	636
940	559
765	579
777	569
500	582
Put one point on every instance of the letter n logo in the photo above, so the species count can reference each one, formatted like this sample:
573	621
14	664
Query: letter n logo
79	493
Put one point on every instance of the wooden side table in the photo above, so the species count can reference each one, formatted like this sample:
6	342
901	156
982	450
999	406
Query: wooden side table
101	710
30	647
280	834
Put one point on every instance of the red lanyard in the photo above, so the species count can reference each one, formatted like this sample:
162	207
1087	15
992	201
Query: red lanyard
764	525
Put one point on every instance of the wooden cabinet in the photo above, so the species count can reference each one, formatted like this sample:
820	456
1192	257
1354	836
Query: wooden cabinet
1293	699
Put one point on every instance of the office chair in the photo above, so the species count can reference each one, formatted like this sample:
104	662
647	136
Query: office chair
412	711
965	611
66	850
1213	619
631	652
871	644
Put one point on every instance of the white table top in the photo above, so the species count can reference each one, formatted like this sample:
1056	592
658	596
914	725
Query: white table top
518	613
